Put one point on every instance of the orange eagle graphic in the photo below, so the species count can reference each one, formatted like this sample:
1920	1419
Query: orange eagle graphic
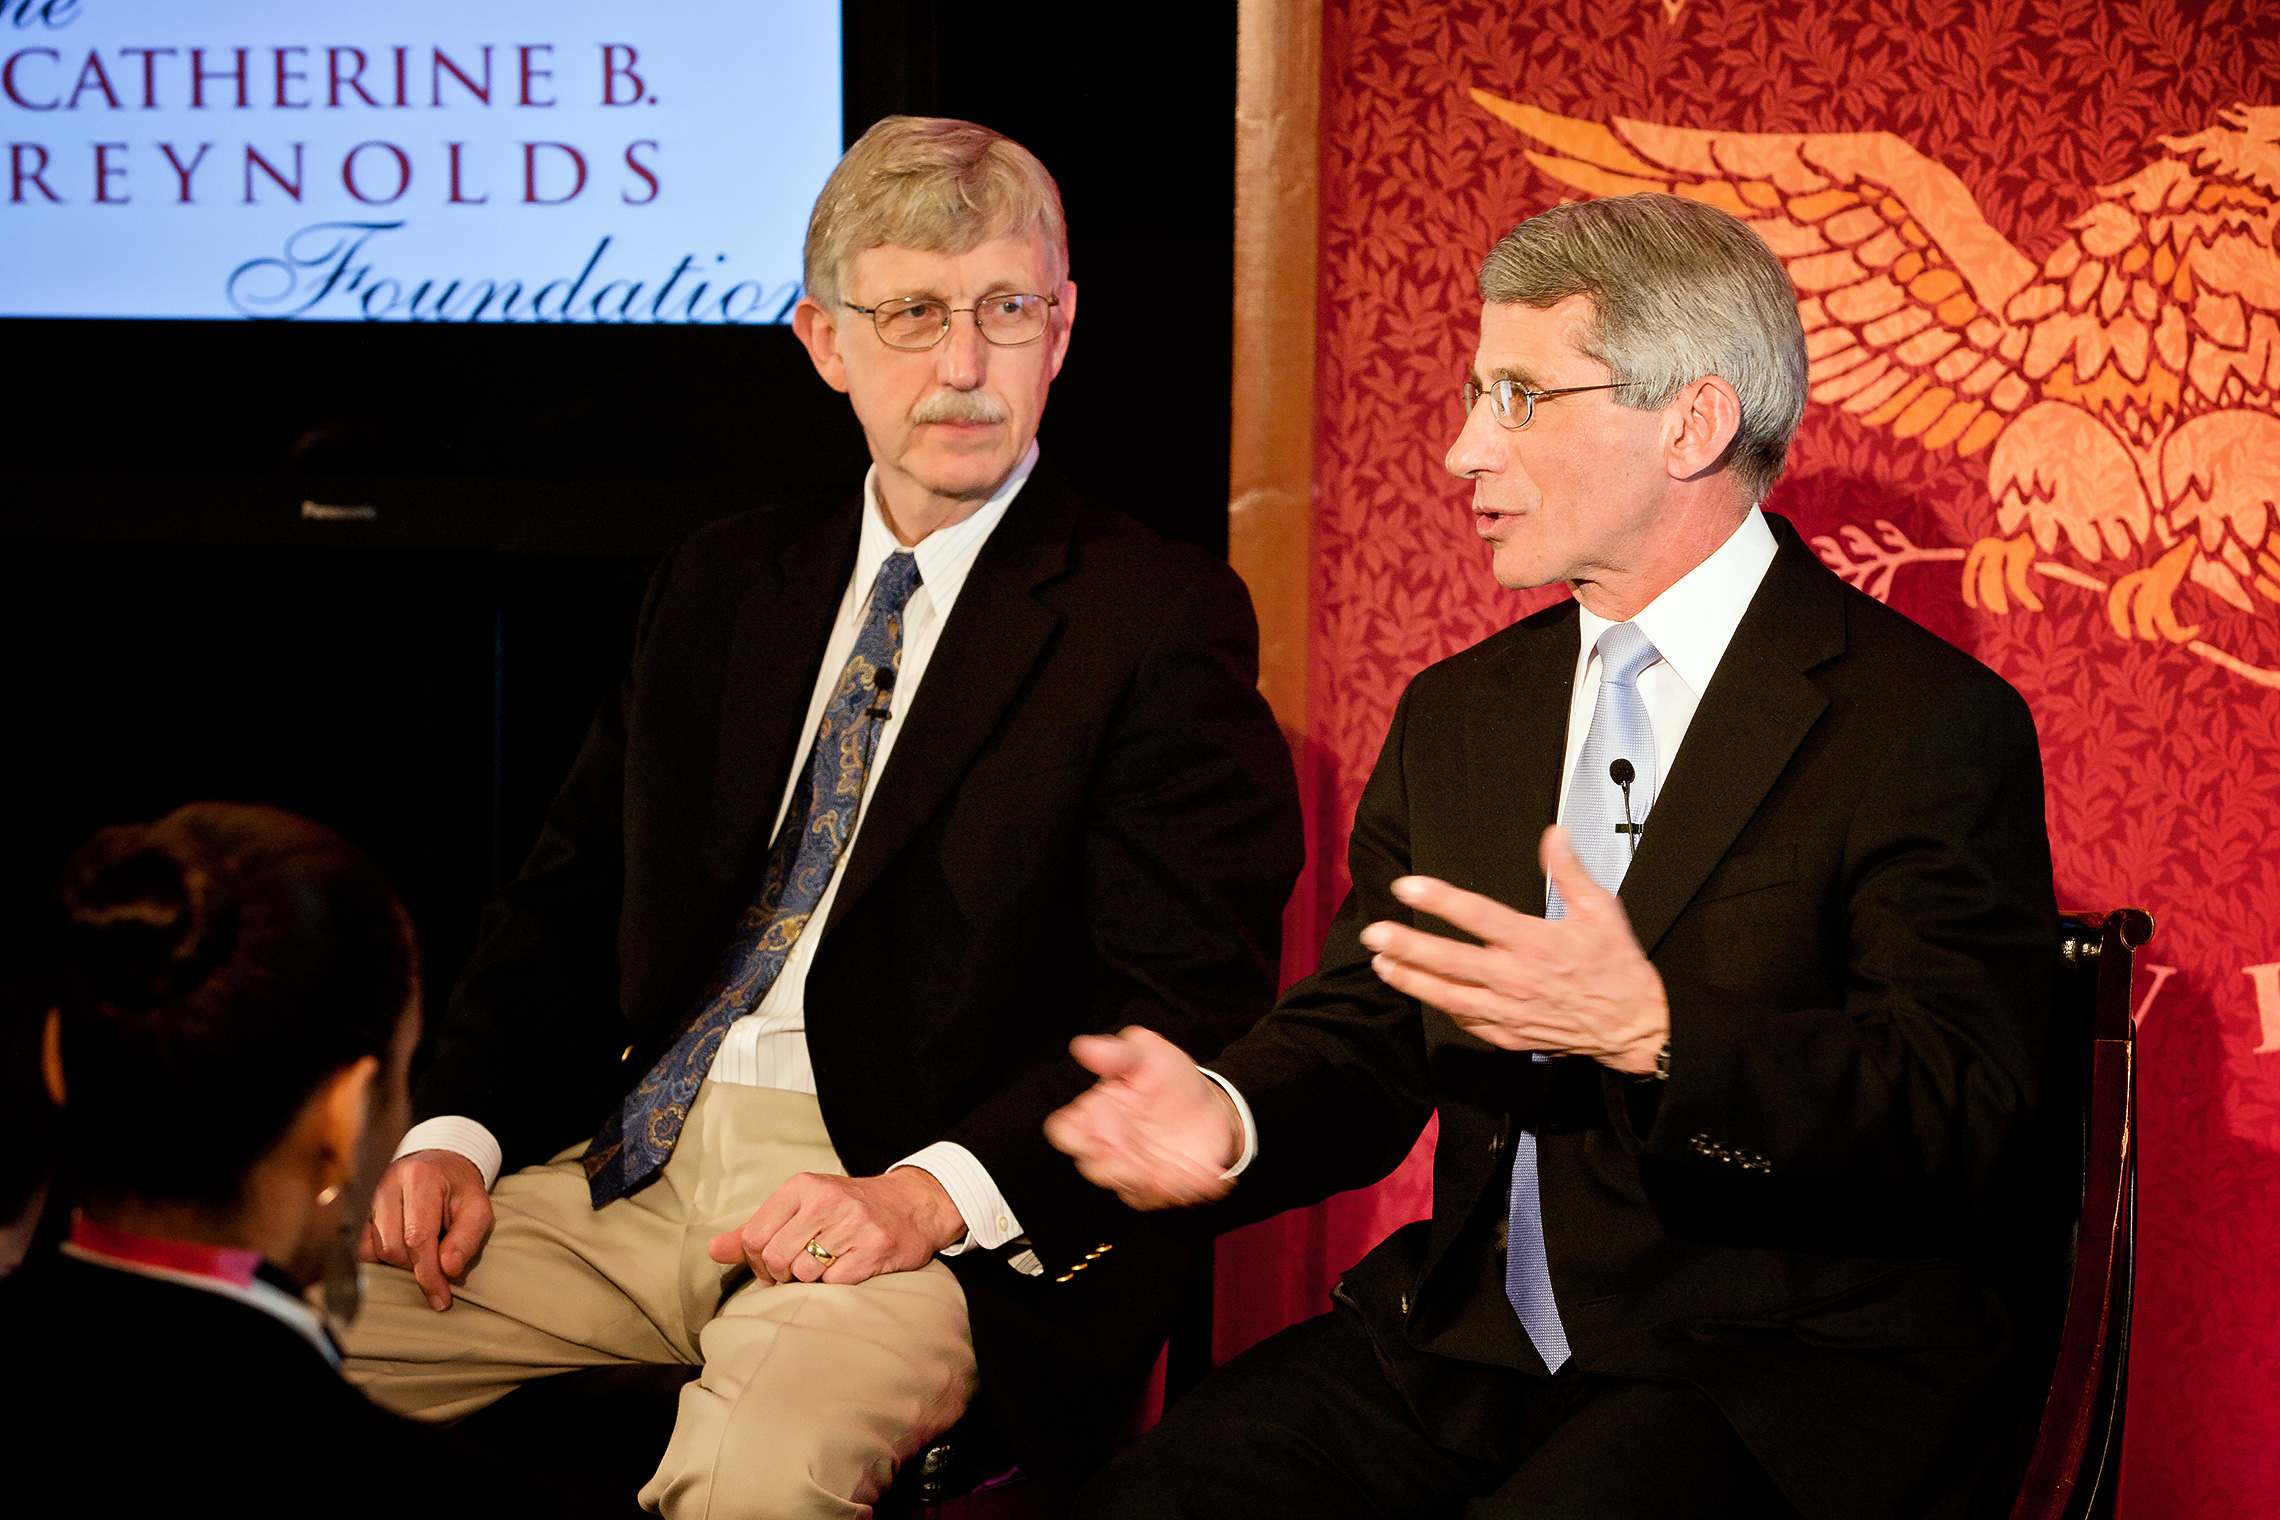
2124	393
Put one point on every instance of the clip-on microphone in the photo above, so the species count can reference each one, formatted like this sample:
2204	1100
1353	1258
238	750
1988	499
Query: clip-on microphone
883	682
1622	773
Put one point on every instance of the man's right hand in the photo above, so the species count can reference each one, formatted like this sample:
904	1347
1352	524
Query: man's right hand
1154	1130
429	1214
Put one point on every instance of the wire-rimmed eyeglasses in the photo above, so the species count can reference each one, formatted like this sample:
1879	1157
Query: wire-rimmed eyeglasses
1511	400
913	322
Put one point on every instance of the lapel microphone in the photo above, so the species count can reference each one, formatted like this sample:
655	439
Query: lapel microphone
883	682
1622	773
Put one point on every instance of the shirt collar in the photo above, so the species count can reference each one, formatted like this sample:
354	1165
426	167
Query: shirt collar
946	554
187	1257
1694	619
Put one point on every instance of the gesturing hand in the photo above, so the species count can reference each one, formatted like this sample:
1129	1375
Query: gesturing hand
430	1214
1153	1130
870	1225
1578	985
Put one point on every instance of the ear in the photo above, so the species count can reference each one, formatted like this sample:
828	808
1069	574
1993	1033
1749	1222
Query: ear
51	1055
1704	416
334	1120
817	328
1066	312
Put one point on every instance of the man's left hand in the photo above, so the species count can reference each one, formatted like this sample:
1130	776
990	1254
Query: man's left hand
1578	985
869	1225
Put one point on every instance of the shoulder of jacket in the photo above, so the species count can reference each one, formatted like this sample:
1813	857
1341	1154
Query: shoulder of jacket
1469	666
1126	557
1899	655
720	558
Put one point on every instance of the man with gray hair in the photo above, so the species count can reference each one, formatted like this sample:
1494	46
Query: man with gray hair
750	1070
1742	1017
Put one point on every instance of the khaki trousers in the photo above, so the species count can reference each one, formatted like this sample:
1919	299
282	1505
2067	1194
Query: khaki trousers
811	1394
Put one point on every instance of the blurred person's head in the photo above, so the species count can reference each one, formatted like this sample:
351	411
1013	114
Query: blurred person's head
938	298
236	1006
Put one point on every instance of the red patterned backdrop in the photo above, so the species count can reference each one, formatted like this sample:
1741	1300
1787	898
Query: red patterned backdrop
2034	248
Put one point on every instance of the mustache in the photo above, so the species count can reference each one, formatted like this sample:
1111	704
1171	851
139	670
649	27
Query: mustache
972	407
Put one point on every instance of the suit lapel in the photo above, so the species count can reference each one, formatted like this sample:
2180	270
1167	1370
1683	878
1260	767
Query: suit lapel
1515	742
995	635
782	627
1757	711
1514	726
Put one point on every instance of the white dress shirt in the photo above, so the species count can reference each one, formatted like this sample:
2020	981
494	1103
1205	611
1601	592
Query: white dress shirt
1690	625
768	1046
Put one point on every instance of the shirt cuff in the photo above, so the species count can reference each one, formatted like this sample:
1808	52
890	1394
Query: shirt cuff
1250	1127
989	1218
456	1132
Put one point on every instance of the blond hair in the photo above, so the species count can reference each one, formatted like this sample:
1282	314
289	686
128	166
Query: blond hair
1679	291
933	184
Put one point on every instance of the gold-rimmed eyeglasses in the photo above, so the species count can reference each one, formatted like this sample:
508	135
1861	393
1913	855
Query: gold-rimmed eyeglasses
914	322
1514	405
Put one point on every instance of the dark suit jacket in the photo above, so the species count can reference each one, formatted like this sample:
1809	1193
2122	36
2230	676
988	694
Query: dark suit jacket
136	1397
1090	821
1846	887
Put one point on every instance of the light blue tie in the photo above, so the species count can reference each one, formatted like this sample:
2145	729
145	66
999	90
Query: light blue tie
1619	731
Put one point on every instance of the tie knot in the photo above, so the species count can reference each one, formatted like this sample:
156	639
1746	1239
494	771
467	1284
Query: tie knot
1623	652
898	578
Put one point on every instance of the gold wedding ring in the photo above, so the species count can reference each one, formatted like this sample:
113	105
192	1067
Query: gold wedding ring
816	1250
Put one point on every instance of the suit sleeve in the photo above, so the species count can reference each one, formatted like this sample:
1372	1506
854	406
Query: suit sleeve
1190	846
1898	1104
530	1044
1336	1076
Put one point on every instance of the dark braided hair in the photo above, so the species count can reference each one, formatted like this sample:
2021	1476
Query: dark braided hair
214	968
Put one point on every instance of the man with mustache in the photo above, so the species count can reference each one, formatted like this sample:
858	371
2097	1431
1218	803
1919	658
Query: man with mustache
764	1035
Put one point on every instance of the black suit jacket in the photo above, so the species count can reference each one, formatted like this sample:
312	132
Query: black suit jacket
135	1397
1089	821
1846	887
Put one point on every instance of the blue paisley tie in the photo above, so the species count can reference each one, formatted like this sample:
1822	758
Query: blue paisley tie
1619	731
639	1138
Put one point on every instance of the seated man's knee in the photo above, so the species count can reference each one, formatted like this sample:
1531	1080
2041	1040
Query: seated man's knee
777	1490
769	1455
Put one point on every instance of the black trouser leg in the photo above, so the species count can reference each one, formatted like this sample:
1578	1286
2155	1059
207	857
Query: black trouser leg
1307	1426
1637	1451
1304	1425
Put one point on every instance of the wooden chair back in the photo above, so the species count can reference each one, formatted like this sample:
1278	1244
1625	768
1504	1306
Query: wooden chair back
2076	1458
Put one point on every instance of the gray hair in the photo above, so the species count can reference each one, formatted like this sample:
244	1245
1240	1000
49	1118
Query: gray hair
1679	290
933	184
